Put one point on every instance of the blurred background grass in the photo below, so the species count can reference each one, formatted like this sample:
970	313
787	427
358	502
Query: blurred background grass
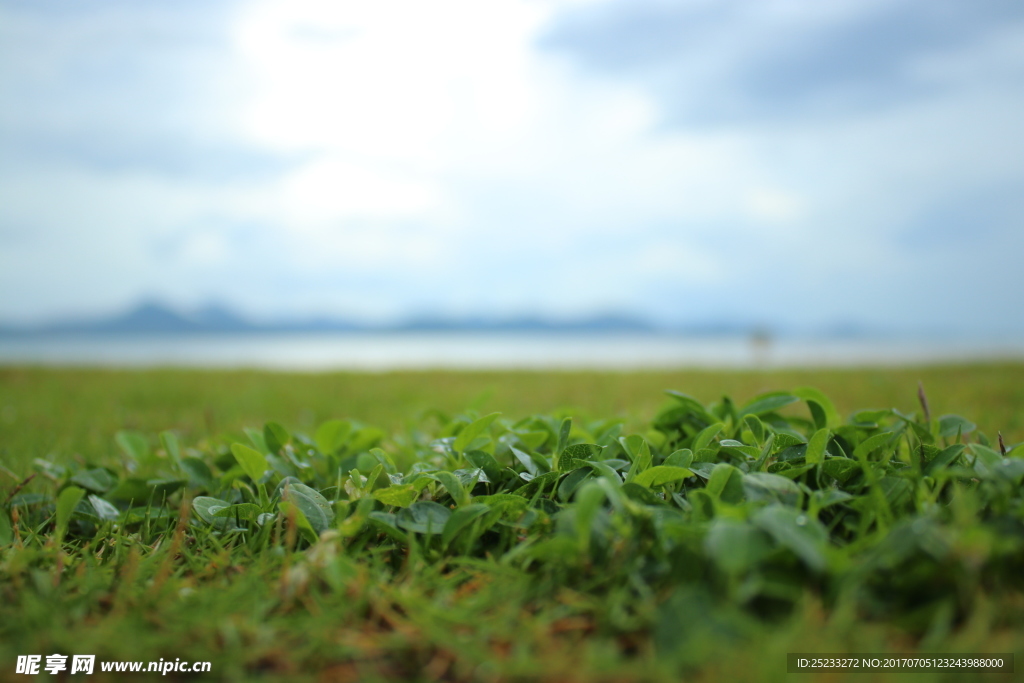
66	413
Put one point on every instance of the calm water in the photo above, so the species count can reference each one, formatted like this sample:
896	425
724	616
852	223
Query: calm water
463	350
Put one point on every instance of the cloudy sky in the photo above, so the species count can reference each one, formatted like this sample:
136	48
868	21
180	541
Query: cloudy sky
812	164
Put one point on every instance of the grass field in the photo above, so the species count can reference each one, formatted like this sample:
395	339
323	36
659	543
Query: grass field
355	607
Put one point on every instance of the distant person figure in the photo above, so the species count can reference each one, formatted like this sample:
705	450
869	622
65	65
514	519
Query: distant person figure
760	346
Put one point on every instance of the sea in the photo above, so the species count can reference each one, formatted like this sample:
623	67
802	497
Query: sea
315	352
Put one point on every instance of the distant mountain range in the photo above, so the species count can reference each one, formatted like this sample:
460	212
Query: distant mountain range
157	318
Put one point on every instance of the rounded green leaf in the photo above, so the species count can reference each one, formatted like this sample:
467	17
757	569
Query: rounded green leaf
661	475
424	517
317	509
104	509
6	530
97	480
736	546
66	502
768	403
795	530
725	483
294	512
332	435
763	486
462	518
472	430
815	452
133	444
810	394
207	507
576	455
402	495
951	425
453	485
170	443
275	436
242	511
252	462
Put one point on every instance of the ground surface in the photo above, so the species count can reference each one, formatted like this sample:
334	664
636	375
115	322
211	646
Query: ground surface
264	610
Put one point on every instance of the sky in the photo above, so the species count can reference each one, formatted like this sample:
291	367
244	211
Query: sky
791	164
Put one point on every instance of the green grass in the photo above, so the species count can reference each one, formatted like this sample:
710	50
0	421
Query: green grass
710	588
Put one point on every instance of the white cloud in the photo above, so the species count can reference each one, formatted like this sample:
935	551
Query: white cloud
410	156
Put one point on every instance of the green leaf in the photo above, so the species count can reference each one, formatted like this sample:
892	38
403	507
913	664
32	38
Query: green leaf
951	425
104	510
588	503
401	495
870	419
27	499
725	483
527	461
133	444
639	452
840	468
275	437
796	531
164	487
812	395
66	502
332	435
693	406
575	456
783	440
572	481
640	494
763	486
317	509
292	510
170	444
944	459
198	472
736	546
680	458
131	489
384	459
424	517
829	497
462	518
471	431
454	487
97	480
734	446
207	507
243	511
563	437
544	481
705	436
767	403
252	462
533	440
388	523
661	475
485	461
872	444
6	530
756	427
986	460
506	506
365	439
815	452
